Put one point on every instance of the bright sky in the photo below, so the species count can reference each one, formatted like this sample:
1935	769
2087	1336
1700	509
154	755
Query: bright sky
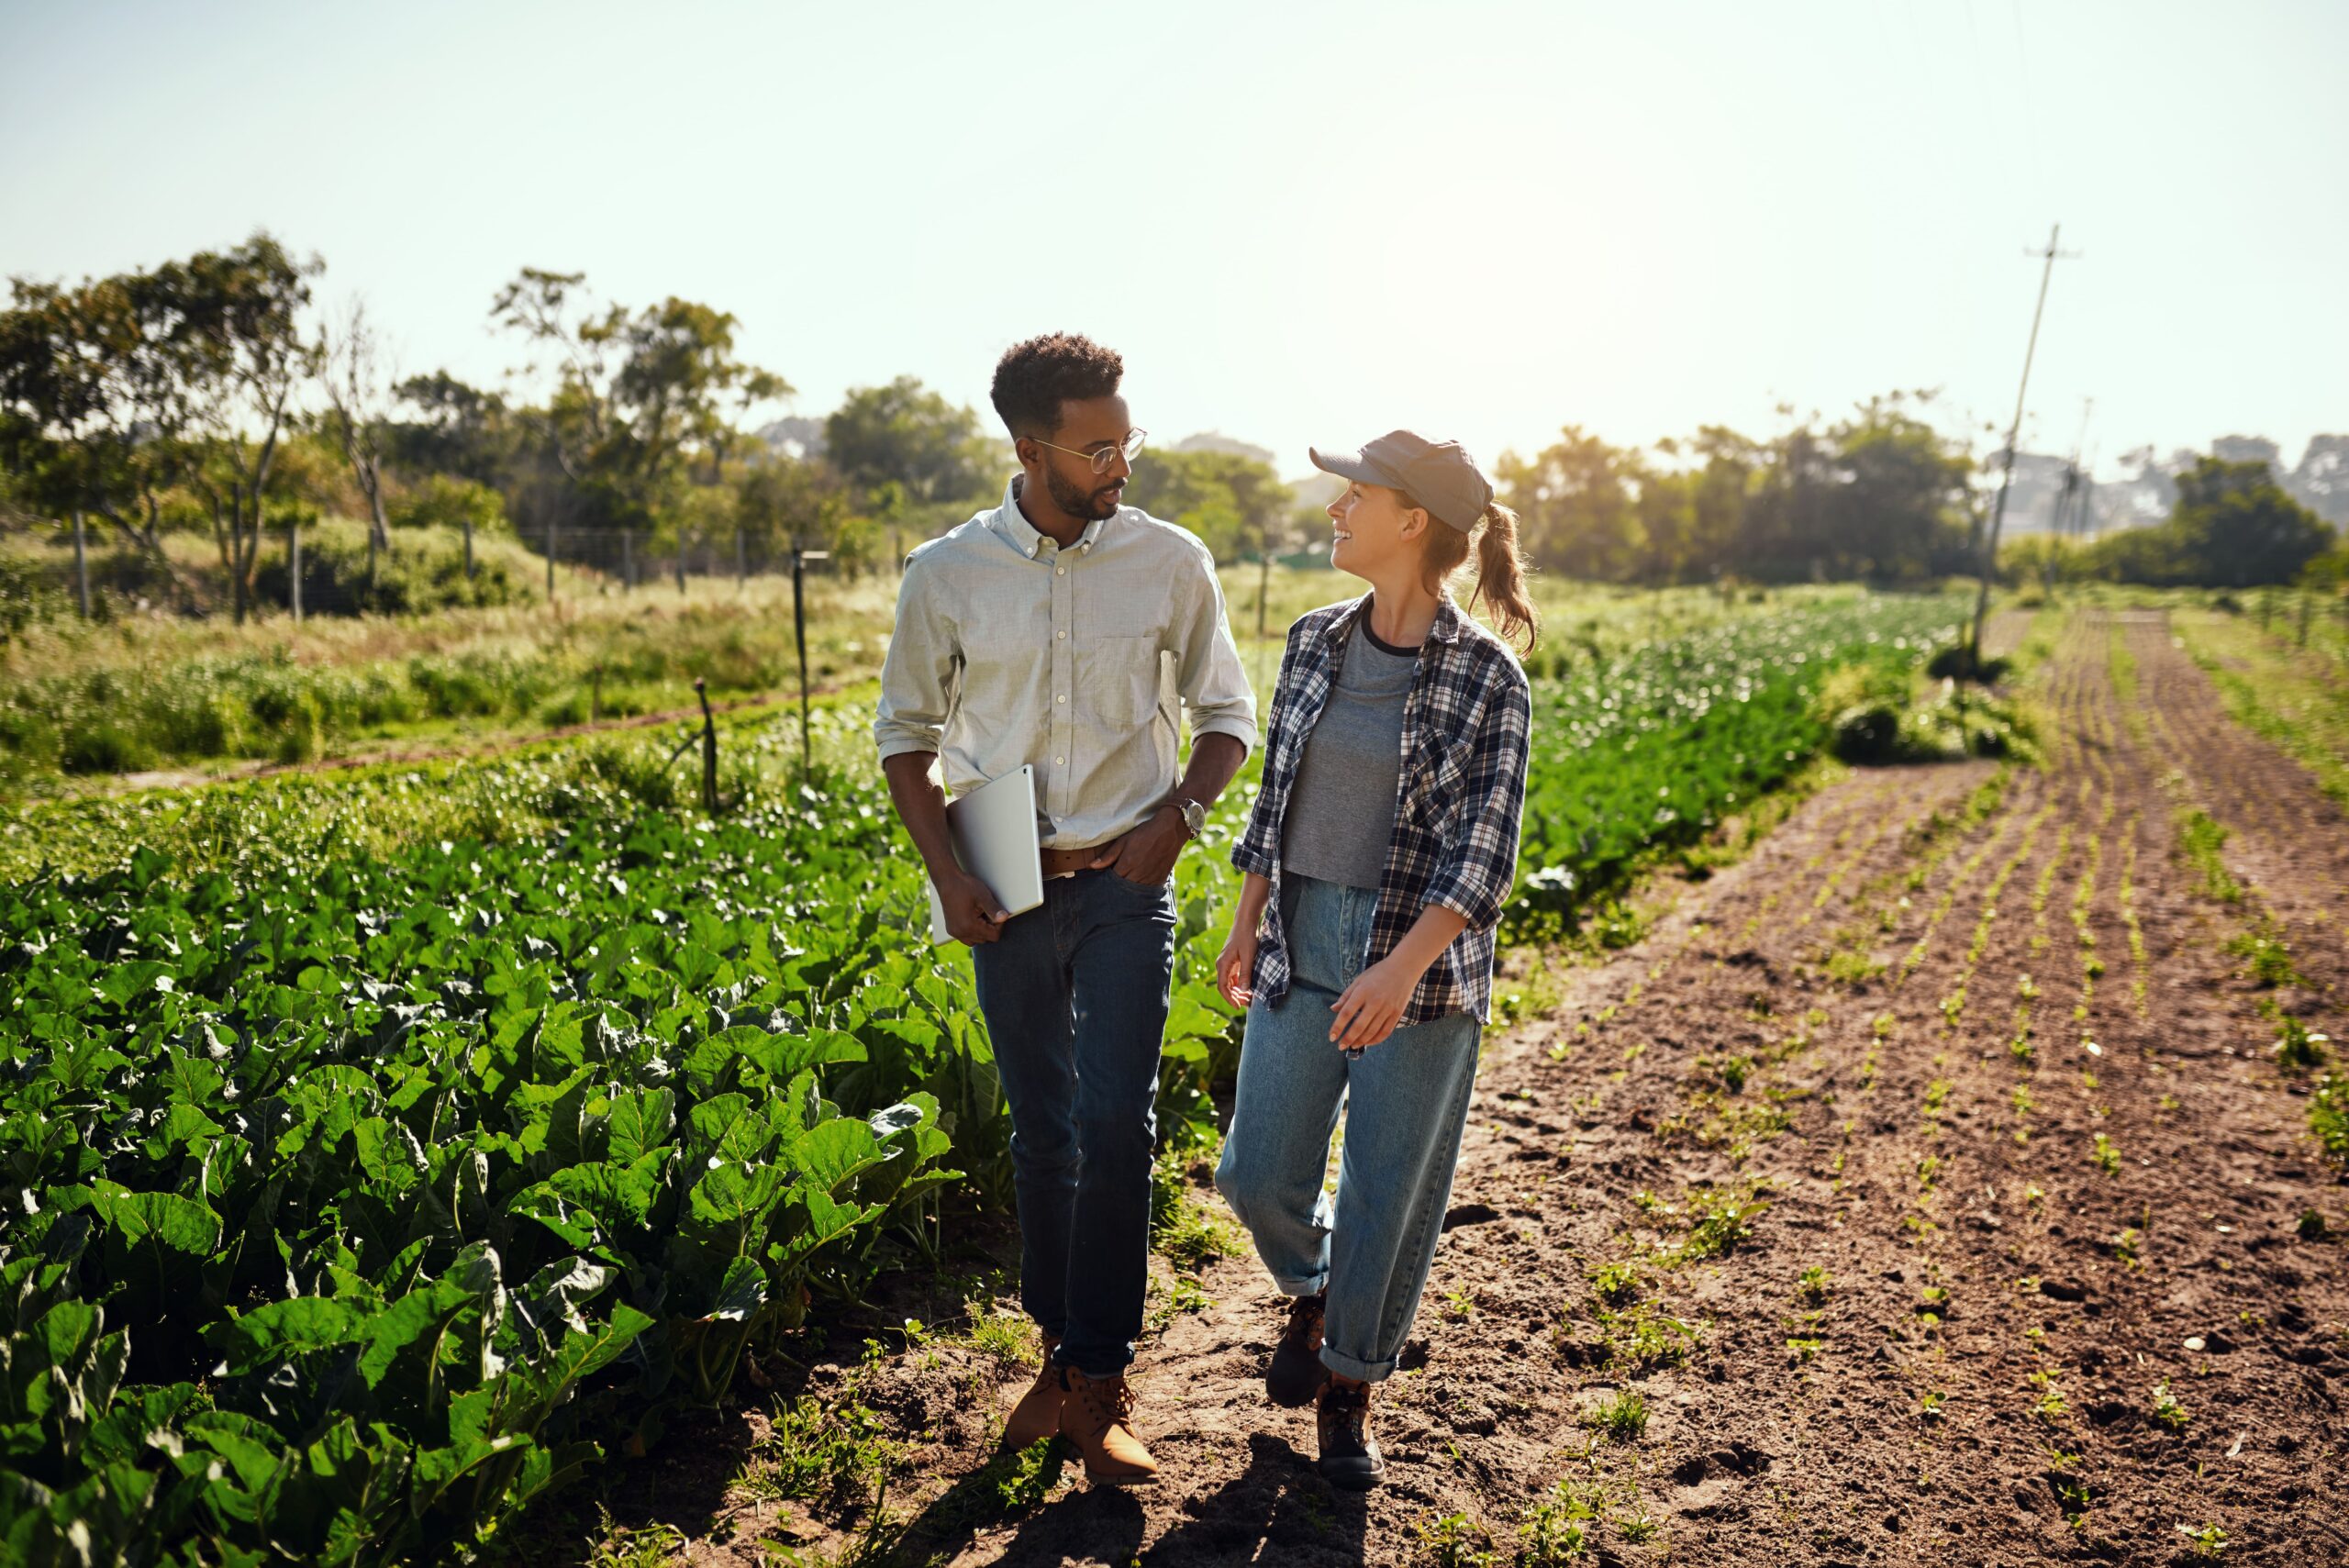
1299	222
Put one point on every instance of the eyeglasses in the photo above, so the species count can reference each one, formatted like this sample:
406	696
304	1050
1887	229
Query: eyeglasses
1130	448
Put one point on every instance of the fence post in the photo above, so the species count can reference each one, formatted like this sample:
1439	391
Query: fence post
741	562
293	566
2304	597
469	547
681	564
708	748
628	559
799	559
81	565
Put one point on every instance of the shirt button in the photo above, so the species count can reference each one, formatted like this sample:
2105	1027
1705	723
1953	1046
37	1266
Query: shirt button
1060	634
1060	761
1063	698
1059	571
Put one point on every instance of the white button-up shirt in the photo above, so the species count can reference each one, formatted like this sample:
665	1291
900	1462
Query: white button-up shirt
1011	650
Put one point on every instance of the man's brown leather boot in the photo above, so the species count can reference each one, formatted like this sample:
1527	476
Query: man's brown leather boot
1038	1414
1096	1414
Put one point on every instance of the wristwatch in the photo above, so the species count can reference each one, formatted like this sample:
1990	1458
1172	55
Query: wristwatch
1194	816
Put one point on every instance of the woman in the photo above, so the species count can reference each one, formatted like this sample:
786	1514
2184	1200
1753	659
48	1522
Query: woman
1382	846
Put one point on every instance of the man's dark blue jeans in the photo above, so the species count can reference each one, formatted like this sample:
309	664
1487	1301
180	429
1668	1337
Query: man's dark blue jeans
1076	994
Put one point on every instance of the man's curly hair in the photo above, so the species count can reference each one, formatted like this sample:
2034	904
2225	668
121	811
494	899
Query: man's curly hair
1034	378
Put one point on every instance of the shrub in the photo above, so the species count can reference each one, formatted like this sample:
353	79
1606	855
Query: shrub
423	570
447	502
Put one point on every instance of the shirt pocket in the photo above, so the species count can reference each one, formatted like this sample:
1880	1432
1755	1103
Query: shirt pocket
1119	679
1438	781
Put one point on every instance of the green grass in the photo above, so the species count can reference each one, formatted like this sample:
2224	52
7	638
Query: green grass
2297	700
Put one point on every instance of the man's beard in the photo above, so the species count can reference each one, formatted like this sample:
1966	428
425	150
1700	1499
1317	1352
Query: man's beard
1075	502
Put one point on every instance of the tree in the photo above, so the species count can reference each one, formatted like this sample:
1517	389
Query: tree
2231	527
461	430
1577	507
1236	503
1898	494
242	352
95	406
907	436
357	409
635	395
788	501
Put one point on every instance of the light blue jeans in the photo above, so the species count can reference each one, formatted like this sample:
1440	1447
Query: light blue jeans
1406	1100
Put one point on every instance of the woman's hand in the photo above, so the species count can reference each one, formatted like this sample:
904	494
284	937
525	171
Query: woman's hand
1372	1006
1236	966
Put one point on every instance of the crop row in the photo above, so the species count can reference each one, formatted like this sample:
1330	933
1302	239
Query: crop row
1656	748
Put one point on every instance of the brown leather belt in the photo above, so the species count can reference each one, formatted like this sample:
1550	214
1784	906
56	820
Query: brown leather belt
1060	863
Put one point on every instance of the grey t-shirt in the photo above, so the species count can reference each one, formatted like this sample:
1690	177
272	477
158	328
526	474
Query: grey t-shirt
1342	808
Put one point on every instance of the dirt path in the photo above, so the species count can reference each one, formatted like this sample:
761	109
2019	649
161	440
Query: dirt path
1899	1172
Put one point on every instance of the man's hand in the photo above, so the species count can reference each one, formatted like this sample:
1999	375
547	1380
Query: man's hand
1148	853
974	913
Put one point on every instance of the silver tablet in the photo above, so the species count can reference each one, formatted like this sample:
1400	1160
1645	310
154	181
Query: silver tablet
993	832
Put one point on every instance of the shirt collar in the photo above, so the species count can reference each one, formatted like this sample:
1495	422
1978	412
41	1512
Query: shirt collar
1449	619
1012	524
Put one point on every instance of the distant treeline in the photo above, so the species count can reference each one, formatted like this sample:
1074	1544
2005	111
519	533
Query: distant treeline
211	396
2233	526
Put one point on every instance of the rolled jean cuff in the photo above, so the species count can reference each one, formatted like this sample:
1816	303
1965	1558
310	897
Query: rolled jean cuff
1106	1364
1302	1288
1337	1360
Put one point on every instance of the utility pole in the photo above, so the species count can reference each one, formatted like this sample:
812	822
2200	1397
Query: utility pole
1989	562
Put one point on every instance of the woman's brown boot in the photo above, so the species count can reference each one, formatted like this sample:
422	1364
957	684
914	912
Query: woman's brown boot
1349	1458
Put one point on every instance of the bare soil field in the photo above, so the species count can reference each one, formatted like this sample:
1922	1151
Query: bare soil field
1922	1189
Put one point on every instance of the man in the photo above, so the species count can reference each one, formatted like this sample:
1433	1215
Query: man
1038	633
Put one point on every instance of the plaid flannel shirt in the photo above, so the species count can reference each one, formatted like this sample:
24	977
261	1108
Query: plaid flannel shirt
1466	724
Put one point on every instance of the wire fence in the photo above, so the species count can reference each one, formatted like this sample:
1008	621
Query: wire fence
337	569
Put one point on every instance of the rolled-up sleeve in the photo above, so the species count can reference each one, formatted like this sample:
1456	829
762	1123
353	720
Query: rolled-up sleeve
918	678
1213	681
1479	863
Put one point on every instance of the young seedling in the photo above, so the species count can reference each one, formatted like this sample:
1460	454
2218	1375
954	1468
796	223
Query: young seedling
2107	1155
1456	1541
2167	1410
2208	1544
1616	1281
2297	1047
1555	1527
1622	1416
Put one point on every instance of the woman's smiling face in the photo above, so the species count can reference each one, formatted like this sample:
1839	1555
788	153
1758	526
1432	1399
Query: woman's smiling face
1374	528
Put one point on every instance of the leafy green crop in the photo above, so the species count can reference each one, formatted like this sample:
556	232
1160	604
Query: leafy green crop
394	1144
1656	748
